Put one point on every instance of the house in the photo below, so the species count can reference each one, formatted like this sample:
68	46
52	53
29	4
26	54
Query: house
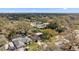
21	41
37	36
11	46
25	39
44	25
18	44
39	25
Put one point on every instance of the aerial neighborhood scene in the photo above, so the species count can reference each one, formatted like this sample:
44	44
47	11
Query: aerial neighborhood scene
39	32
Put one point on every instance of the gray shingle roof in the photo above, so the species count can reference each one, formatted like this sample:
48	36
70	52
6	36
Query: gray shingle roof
18	44
22	39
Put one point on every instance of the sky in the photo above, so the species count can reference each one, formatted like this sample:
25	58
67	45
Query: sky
39	10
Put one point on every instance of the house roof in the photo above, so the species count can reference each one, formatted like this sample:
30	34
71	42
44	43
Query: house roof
36	38
11	45
25	39
39	33
22	39
18	44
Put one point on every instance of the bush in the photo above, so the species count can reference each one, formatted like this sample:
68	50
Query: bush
2	42
59	30
53	25
48	33
34	47
56	27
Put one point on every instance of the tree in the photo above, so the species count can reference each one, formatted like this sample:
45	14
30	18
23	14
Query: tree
48	33
53	25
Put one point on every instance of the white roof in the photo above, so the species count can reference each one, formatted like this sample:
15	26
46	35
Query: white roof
11	44
39	33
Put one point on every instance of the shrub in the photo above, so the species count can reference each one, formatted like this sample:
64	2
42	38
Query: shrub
53	25
48	33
